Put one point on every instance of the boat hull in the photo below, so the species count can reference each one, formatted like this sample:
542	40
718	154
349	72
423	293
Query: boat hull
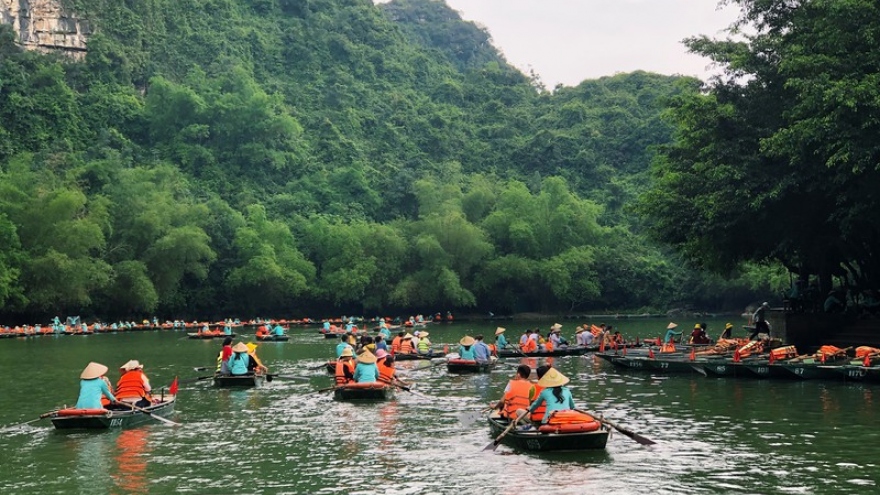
273	338
533	441
113	419
466	366
238	381
363	392
208	336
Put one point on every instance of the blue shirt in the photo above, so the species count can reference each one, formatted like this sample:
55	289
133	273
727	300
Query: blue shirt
669	334
501	341
466	353
341	347
279	330
90	392
326	325
386	333
553	404
481	351
238	363
365	373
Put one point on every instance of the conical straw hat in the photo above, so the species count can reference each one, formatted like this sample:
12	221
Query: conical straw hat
553	378
93	370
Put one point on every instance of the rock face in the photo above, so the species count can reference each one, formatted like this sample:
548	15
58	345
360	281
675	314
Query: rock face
45	26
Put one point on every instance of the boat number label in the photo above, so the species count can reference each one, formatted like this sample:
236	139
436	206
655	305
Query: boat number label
533	444
856	373
762	370
664	365
115	422
798	371
721	369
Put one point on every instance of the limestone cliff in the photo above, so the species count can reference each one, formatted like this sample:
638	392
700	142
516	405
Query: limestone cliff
44	25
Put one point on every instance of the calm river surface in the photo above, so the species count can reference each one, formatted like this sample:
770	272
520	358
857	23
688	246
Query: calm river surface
714	435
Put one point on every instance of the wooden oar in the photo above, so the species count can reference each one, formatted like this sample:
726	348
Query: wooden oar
313	368
196	379
42	416
270	377
512	425
320	390
635	436
160	418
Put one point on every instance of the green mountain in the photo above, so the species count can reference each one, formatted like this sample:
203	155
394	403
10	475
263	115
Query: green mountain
293	157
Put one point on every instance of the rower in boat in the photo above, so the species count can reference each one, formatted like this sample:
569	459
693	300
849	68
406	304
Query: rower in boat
555	395
466	348
366	370
500	339
385	364
133	386
254	364
278	330
671	333
239	361
344	367
538	413
223	357
93	385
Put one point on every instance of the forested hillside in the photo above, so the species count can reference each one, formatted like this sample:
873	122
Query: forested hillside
302	157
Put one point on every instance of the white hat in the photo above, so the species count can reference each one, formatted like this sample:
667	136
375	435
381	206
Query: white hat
132	365
93	370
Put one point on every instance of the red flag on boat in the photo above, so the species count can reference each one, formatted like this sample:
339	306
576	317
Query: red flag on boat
693	354
173	388
737	357
602	346
822	357
867	362
651	353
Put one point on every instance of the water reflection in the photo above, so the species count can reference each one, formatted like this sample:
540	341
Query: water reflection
130	455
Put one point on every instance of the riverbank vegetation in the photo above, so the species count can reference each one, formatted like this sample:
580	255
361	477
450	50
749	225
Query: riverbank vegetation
297	157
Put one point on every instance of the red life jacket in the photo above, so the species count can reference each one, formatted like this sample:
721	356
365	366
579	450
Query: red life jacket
538	413
386	373
131	385
516	397
341	364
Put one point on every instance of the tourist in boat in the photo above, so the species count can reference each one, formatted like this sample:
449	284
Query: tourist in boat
424	345
342	345
555	395
223	357
524	338
406	344
516	398
255	365
344	367
133	386
239	361
93	385
385	365
366	342
728	328
698	335
670	333
395	343
482	353
386	333
379	341
500	339
531	344
366	370
326	326
262	331
278	330
616	338
466	348
538	413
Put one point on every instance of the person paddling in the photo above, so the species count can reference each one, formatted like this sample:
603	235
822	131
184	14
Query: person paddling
555	395
500	339
254	363
344	367
93	386
366	370
466	348
133	386
239	361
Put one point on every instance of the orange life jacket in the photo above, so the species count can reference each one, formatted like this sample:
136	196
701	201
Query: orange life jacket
395	344
538	413
131	385
386	373
406	346
341	364
516	397
548	345
530	346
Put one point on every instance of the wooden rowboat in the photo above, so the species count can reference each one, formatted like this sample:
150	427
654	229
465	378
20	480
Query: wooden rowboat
238	381
469	366
533	440
363	391
117	417
273	338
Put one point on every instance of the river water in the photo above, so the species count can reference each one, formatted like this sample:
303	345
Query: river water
714	435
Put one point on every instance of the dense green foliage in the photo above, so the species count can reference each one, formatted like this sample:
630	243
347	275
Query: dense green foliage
306	156
779	159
